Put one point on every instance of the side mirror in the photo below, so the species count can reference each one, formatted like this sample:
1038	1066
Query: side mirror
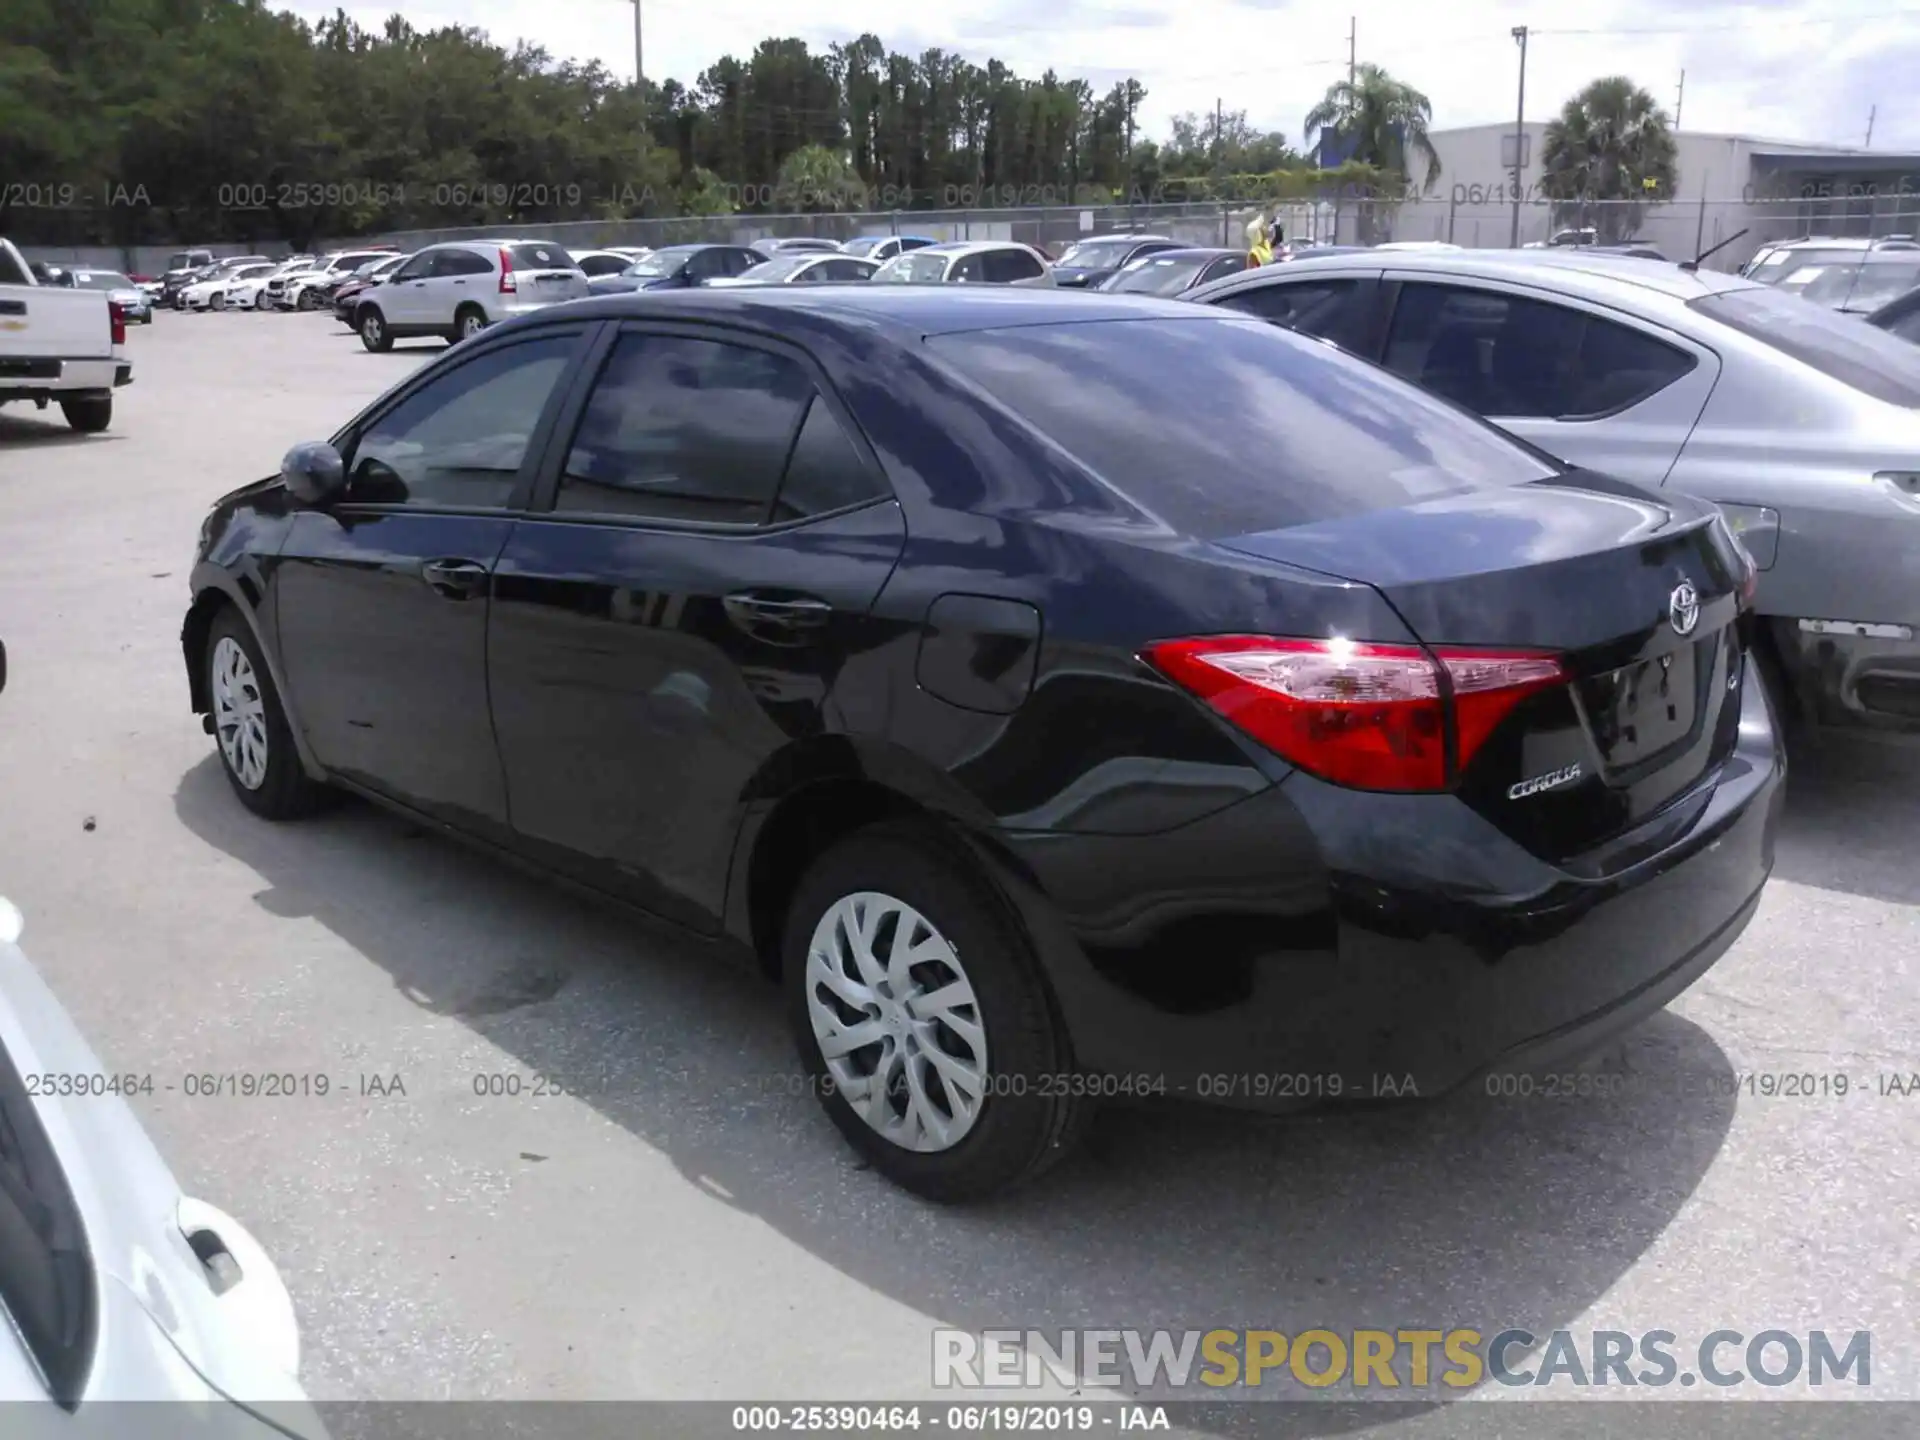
314	473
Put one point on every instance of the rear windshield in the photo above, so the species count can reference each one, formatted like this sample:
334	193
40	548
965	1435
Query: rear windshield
915	269
1223	425
1836	345
1782	263
1158	276
101	280
1863	288
540	256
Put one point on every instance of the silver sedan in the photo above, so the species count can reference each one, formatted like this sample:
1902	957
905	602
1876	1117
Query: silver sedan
1802	424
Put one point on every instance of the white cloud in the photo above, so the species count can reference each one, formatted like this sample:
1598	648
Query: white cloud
1791	70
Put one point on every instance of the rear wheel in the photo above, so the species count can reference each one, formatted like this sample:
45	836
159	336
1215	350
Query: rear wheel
217	301
918	1007
250	725
468	322
89	414
374	334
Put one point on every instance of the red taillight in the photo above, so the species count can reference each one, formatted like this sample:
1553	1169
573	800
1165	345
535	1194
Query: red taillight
508	284
117	322
1374	717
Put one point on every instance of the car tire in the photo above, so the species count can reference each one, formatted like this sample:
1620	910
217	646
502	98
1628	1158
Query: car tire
374	334
256	750
88	414
899	881
1789	710
217	300
306	301
468	321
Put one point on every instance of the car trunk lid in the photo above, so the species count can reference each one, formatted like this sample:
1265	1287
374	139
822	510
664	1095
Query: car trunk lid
1637	595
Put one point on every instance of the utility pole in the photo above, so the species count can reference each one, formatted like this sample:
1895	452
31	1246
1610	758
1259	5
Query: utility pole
640	68
1353	47
1679	100
1218	127
1519	135
1872	115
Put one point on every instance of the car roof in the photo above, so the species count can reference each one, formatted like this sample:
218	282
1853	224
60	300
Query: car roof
1195	252
1597	276
909	311
969	247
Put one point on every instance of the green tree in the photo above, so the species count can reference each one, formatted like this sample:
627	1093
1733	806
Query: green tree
1380	121
1612	144
816	178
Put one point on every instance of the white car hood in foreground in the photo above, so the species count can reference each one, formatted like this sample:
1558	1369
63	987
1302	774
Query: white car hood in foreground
224	1364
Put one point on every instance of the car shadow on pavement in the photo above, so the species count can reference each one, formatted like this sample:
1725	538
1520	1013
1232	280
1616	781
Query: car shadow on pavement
1475	1212
24	428
1852	812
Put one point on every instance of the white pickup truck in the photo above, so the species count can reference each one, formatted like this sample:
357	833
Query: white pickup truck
59	344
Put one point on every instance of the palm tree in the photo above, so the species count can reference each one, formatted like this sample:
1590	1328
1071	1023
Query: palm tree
1610	143
1385	120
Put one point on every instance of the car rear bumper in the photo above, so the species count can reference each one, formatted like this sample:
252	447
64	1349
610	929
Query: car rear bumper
1311	944
1855	674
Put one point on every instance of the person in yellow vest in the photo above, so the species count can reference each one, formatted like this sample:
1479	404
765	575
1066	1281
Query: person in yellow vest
1259	247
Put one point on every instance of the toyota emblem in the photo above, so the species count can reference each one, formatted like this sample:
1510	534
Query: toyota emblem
1683	608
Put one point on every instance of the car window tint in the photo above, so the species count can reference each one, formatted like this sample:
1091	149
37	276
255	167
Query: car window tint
685	429
1222	425
415	269
1006	266
1838	346
970	271
1319	307
825	471
1514	357
538	255
1907	327
464	262
603	264
460	439
47	1279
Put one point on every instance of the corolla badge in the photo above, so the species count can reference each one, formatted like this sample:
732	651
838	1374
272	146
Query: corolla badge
1683	608
1552	780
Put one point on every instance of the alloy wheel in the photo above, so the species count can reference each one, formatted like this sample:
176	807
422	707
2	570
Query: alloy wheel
239	714
471	325
896	1021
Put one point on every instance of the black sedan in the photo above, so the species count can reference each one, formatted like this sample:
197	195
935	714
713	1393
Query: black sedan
1056	713
1170	272
1083	265
679	267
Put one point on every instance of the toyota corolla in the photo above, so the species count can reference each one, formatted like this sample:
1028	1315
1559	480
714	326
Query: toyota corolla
1061	697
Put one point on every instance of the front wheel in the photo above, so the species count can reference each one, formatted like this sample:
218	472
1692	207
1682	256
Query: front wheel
306	301
921	1016
217	301
250	725
373	331
89	415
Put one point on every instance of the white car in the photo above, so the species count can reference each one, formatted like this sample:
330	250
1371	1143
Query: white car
967	262
59	344
802	267
217	293
115	1285
313	289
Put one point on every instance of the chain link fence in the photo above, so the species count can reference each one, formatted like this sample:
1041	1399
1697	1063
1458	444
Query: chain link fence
1680	229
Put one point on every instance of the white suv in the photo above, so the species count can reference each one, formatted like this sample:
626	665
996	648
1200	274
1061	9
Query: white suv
460	288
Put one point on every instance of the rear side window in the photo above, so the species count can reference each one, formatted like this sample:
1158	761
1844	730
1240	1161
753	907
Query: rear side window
1318	307
685	429
1907	327
1838	346
461	262
824	472
1006	266
1223	426
1509	356
540	256
46	1276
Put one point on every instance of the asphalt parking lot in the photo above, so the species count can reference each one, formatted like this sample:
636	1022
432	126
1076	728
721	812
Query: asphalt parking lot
681	1223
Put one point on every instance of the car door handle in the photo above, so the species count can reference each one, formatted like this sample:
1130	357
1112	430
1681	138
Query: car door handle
455	579
785	612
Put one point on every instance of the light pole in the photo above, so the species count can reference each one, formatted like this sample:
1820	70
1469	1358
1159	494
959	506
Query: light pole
639	68
1519	133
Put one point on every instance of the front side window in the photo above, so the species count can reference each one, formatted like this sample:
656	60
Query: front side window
1316	307
1514	357
685	429
918	268
461	438
972	270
